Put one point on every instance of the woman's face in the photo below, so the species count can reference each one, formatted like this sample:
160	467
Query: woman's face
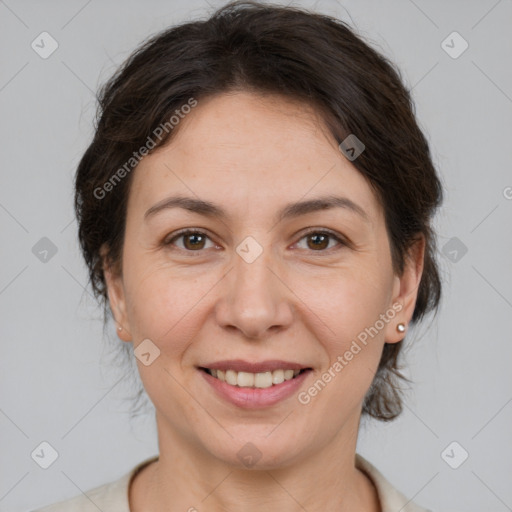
262	288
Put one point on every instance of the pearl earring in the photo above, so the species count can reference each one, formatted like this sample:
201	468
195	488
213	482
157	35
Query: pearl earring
119	328
400	327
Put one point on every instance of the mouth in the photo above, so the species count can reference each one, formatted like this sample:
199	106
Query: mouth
254	385
256	380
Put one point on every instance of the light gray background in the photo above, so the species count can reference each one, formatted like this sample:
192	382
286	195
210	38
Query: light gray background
55	384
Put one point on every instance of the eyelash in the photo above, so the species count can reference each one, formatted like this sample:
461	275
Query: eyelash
316	231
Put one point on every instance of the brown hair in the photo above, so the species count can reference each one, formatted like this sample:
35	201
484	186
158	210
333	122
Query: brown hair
266	48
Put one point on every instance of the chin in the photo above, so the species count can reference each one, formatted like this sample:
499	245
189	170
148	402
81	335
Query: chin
259	451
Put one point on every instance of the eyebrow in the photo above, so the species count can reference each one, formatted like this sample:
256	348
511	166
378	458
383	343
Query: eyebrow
291	210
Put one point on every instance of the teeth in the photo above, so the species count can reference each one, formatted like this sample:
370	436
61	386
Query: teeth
231	377
288	374
245	380
263	380
258	380
277	376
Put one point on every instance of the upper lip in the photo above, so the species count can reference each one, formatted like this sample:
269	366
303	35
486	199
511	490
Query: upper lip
239	365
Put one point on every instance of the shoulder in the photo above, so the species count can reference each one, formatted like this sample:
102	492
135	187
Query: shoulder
112	496
391	499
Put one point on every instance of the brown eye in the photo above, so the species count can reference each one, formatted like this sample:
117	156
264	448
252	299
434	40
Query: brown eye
193	241
319	240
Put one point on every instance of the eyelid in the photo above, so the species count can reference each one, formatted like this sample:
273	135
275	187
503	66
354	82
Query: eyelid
168	240
333	234
318	230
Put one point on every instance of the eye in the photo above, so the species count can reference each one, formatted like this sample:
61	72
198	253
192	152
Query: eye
320	240
194	240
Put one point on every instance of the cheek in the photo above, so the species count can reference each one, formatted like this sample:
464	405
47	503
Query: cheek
164	303
167	308
350	309
350	305
347	301
168	302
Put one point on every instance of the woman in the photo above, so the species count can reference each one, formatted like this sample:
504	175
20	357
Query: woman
255	211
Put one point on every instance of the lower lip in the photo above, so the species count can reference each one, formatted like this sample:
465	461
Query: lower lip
255	398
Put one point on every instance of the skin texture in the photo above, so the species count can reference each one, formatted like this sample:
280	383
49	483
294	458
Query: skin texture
253	154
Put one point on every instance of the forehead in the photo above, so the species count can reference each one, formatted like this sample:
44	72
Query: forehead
244	149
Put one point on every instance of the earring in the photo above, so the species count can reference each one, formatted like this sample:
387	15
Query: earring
400	327
119	328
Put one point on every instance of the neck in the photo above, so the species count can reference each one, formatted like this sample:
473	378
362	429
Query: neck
183	479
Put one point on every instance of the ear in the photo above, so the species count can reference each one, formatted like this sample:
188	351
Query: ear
405	290
116	296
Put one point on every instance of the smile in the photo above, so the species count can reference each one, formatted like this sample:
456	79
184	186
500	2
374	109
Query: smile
259	380
254	385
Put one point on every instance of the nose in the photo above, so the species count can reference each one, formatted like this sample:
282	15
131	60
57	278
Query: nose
255	300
